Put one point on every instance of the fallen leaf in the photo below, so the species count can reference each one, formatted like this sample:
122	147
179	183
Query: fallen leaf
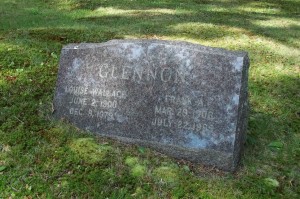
271	182
141	149
276	144
10	78
2	168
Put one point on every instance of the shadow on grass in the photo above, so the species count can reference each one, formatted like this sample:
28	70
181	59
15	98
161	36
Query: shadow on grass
194	19
288	7
72	35
274	114
195	23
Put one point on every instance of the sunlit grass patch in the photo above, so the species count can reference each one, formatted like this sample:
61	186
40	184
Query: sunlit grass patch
126	12
260	7
205	31
89	150
137	167
167	174
277	22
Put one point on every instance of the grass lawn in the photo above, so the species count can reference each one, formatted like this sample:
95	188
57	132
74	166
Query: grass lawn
41	158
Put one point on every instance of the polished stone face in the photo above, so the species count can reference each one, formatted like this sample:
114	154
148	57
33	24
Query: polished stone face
186	100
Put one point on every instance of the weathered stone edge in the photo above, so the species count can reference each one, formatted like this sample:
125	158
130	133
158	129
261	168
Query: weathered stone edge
183	44
242	119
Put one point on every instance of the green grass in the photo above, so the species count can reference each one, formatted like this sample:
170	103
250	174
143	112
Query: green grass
40	158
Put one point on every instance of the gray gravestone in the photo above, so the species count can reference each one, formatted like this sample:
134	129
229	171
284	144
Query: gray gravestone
186	100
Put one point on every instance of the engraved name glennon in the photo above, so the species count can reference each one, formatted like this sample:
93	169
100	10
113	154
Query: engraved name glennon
101	103
165	74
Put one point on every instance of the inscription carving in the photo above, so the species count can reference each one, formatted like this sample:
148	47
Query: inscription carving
108	93
164	115
181	118
165	74
76	90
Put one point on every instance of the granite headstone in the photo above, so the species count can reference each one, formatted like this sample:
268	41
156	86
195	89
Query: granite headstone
185	100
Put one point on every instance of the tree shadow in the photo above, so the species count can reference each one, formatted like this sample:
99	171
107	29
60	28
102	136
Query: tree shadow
289	7
195	19
71	35
136	21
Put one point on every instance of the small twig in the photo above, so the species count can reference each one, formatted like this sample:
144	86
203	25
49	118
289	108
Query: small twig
52	108
19	119
14	189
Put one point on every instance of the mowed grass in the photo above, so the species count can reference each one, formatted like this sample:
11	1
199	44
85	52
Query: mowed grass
41	158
